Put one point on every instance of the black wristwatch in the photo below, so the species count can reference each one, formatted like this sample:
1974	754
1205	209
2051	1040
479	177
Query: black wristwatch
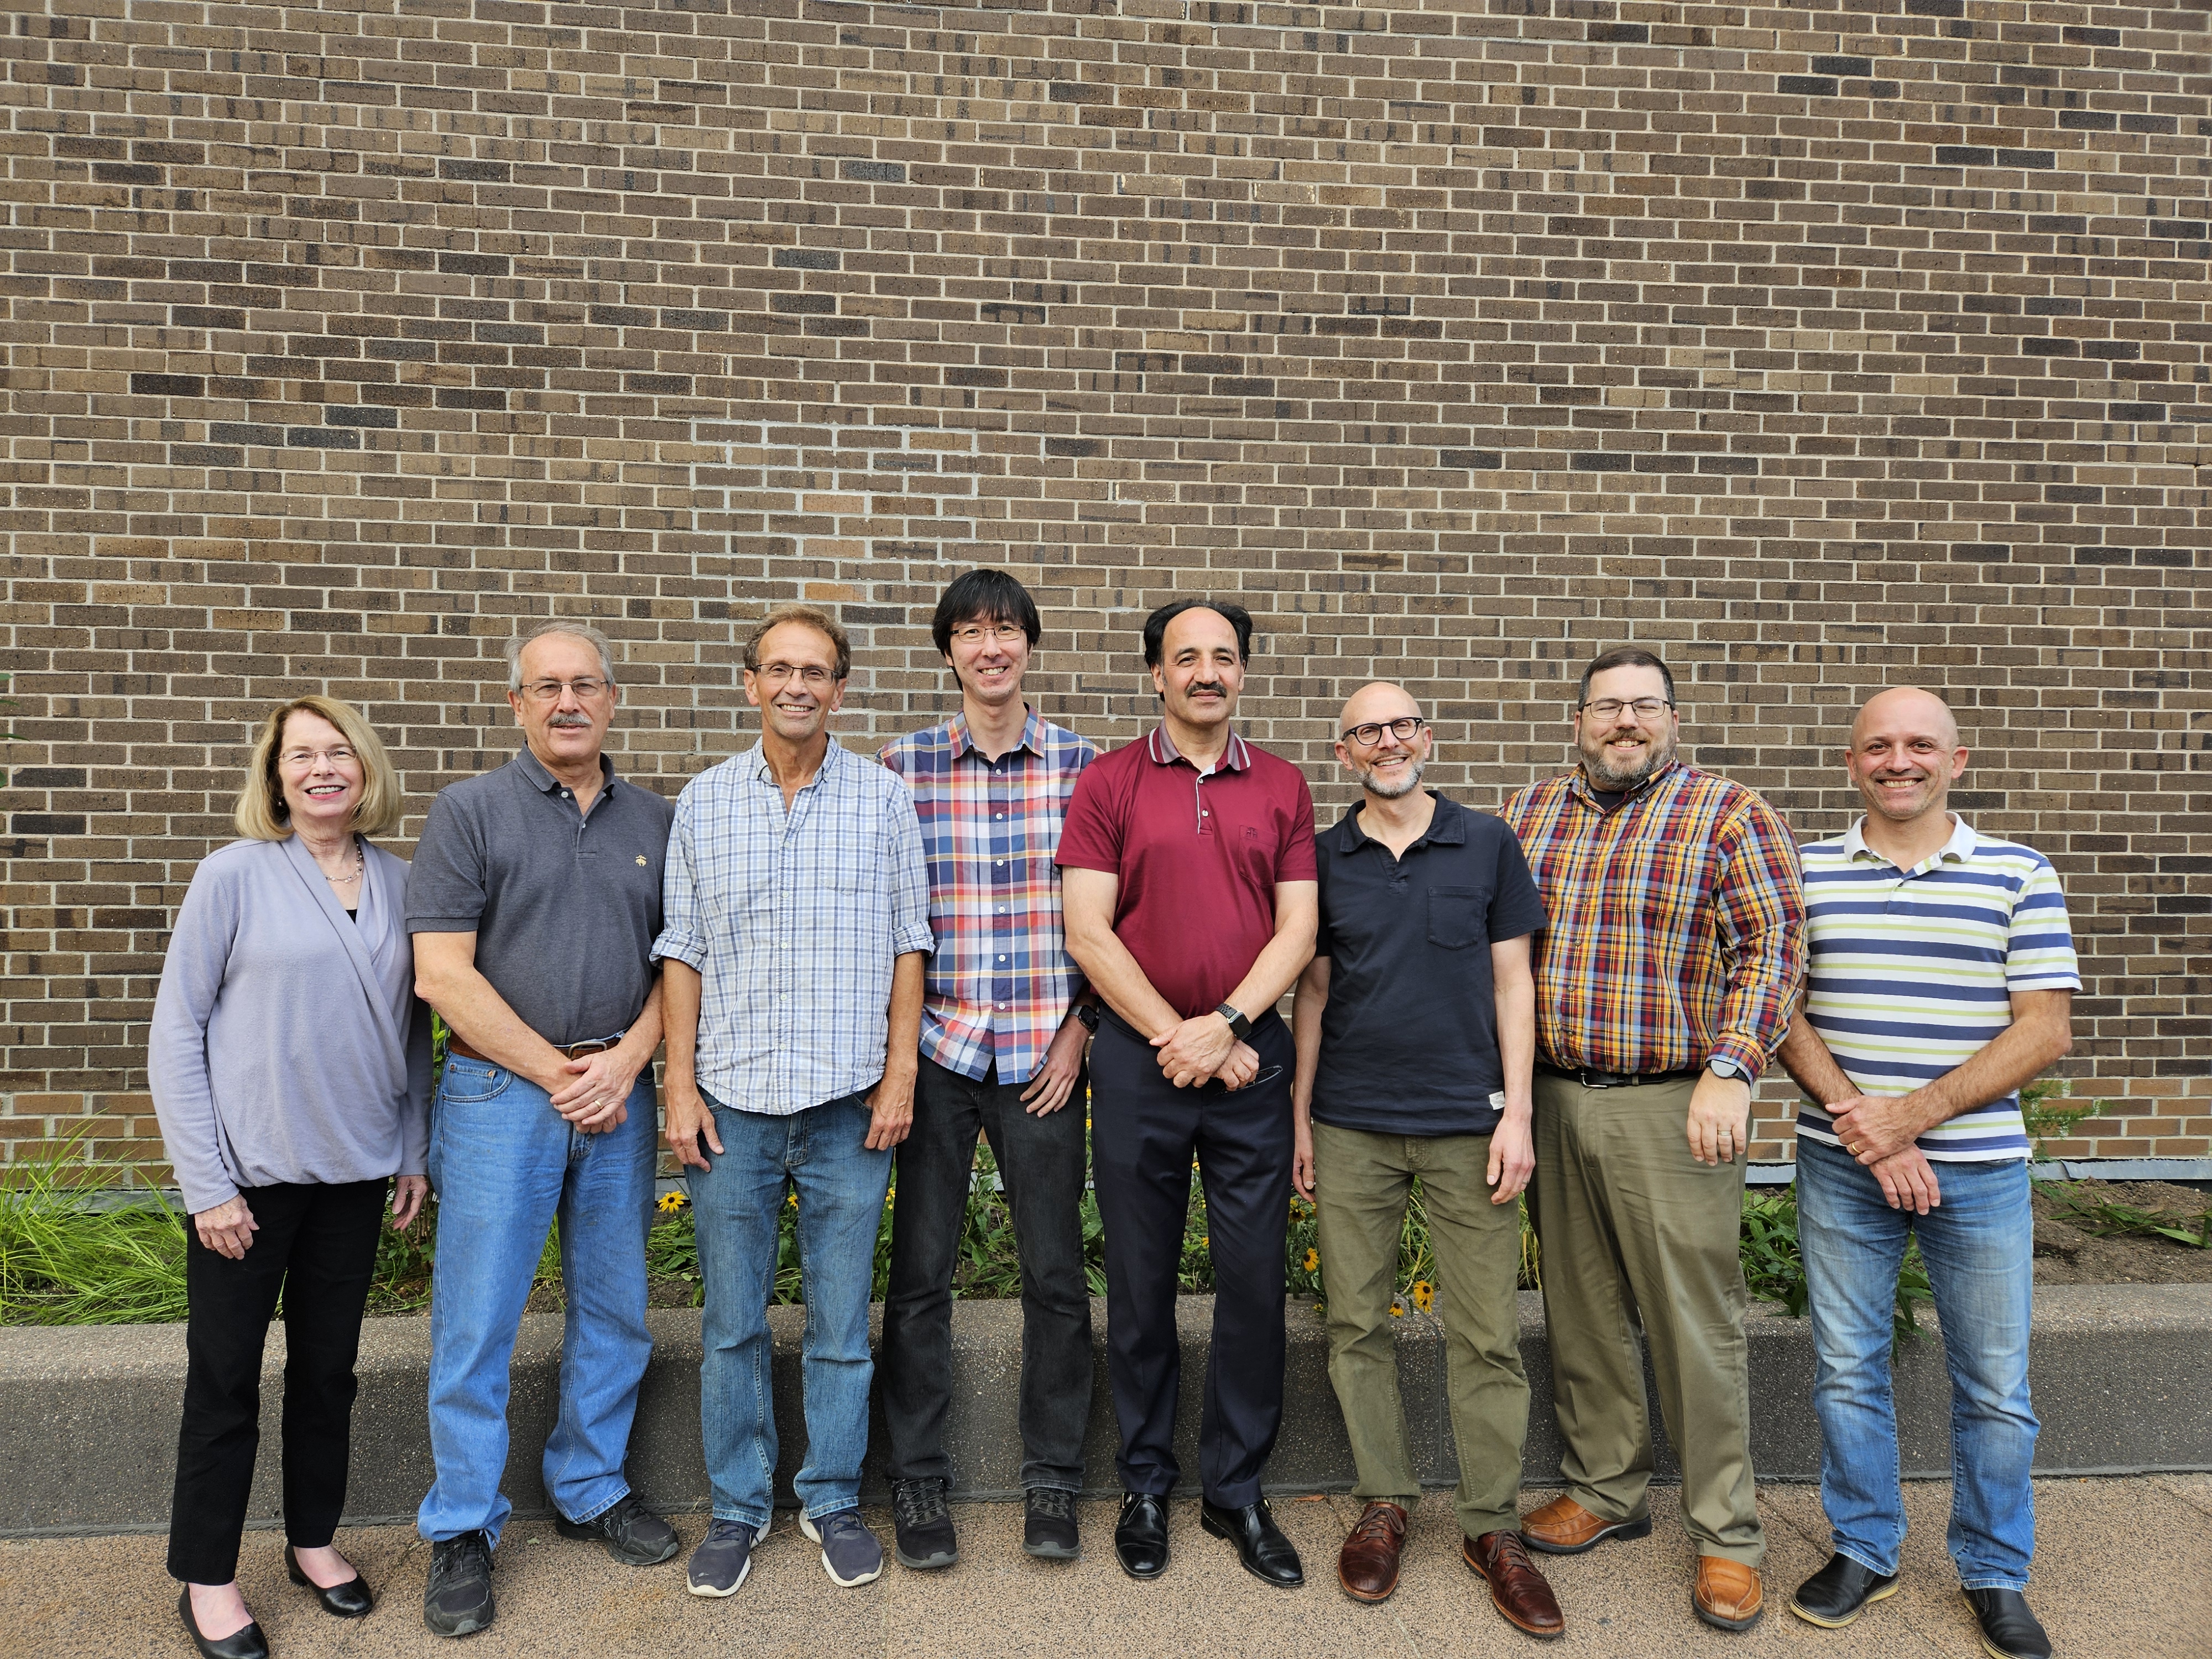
1090	1014
1239	1027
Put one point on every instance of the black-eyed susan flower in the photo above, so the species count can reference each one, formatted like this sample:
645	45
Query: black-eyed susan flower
1424	1295
671	1202
1312	1261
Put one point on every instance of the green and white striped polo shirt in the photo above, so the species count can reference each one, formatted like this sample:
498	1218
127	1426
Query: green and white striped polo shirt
1913	970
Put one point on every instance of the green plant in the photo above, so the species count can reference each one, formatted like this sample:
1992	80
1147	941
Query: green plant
2108	1218
2046	1120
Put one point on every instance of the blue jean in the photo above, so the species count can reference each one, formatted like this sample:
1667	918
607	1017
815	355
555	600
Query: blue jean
505	1164
1980	1248
736	1202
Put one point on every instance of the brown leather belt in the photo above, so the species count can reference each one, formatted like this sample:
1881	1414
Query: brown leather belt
574	1051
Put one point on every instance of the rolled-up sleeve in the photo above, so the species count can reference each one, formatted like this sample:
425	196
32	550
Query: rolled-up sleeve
909	871
683	937
176	1042
1759	901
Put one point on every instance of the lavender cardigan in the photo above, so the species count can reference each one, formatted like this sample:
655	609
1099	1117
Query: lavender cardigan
288	1043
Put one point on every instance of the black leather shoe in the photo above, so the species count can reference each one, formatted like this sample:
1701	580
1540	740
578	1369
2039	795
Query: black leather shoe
1141	1535
633	1533
1266	1554
1836	1594
246	1643
2009	1631
351	1600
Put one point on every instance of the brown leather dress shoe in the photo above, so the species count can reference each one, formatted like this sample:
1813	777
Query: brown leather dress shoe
1520	1593
1563	1527
1728	1594
1367	1566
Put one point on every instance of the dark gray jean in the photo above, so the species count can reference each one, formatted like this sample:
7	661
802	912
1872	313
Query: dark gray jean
1041	1162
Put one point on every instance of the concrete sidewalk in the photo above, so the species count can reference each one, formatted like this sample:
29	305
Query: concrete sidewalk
2124	1568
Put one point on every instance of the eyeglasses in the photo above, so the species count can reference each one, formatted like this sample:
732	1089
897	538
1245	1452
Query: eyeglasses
1004	633
813	675
1645	708
299	760
550	691
1368	735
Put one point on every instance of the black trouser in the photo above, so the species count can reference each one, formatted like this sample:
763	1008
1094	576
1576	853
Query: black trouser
1041	1163
318	1245
1144	1131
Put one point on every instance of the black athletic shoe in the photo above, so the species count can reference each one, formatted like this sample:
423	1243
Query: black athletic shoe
1836	1594
633	1533
457	1600
1048	1525
922	1527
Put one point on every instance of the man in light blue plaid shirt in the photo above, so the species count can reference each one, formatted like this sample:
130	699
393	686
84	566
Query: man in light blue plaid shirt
795	908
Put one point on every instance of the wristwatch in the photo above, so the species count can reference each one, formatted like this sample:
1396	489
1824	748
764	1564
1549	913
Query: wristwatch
1239	1027
1721	1066
1090	1014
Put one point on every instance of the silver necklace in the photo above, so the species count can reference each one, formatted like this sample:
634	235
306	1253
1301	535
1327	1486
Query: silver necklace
360	864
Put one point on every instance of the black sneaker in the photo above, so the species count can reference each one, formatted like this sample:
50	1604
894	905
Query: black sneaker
457	1600
1836	1594
921	1526
633	1533
2009	1631
1049	1528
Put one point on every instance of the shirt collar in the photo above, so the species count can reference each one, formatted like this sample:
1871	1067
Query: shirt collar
756	763
1161	747
1447	828
961	742
1579	782
546	783
1957	850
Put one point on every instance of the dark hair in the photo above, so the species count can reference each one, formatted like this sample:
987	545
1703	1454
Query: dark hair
983	596
1623	656
1155	626
806	616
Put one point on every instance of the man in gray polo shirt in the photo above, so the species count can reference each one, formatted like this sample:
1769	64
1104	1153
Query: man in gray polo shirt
534	899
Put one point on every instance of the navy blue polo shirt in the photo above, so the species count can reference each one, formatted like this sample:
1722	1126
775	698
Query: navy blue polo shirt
1409	1034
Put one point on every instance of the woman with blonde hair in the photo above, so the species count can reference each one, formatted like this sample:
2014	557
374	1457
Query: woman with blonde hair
290	1064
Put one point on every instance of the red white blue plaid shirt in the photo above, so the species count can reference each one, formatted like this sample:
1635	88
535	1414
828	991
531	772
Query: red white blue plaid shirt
1002	981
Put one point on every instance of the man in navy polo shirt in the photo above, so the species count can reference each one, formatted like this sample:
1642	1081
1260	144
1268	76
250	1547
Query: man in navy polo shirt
1187	886
1426	910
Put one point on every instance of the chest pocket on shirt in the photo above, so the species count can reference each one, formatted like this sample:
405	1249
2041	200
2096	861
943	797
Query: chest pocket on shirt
1458	916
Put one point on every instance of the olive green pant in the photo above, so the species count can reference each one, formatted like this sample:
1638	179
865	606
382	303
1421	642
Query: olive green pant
1634	1228
1361	1181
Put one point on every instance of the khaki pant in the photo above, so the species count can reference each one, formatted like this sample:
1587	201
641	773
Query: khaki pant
1635	1229
1361	1183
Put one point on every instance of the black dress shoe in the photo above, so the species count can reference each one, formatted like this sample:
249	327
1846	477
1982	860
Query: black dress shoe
2009	1631
350	1599
246	1643
1266	1554
1835	1595
1140	1536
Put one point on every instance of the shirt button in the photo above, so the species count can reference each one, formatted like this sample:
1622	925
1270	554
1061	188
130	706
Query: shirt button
1204	813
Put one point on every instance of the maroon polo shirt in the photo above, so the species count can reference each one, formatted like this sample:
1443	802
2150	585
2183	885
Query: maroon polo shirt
1198	859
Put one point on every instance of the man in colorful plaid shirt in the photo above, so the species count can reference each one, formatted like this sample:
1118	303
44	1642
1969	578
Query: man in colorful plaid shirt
1664	982
1001	1053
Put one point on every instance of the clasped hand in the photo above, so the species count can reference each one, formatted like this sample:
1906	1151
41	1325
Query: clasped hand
595	1097
1205	1047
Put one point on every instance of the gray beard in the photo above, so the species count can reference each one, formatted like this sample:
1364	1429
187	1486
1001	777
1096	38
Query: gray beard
1397	792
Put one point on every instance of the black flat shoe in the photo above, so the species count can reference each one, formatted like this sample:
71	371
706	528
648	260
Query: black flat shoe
1140	1536
1836	1594
246	1643
2009	1631
351	1600
1265	1553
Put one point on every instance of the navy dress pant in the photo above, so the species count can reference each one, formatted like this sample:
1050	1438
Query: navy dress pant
1144	1133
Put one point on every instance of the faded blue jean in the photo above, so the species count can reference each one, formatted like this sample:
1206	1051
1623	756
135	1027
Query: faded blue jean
1980	1248
505	1164
736	1203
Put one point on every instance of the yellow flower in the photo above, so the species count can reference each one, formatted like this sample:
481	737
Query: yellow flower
1205	1241
671	1202
1424	1295
1397	1309
1312	1260
793	1201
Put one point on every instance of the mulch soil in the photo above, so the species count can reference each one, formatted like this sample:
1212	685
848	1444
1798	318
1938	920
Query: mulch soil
2067	1253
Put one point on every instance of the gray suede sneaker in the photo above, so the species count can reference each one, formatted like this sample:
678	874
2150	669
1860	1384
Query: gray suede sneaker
850	1554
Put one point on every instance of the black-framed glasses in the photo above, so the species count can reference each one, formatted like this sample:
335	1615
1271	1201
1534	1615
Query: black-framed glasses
1370	733
1644	709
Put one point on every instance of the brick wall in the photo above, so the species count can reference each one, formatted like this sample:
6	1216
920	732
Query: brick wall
1821	349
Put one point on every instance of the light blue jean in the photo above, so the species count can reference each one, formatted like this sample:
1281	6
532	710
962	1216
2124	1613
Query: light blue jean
1980	1248
736	1203
505	1164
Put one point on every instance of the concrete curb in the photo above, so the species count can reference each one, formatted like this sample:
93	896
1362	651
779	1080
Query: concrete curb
89	1416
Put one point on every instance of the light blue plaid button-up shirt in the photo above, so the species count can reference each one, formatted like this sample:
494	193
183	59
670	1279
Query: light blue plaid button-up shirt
793	921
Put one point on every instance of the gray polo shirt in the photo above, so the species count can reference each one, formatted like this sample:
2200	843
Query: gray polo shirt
565	908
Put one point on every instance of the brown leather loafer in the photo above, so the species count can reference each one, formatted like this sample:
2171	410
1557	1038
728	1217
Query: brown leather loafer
1521	1594
1728	1594
1367	1566
1563	1527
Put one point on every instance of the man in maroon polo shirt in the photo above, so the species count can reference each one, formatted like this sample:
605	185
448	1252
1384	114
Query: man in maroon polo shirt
1189	888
